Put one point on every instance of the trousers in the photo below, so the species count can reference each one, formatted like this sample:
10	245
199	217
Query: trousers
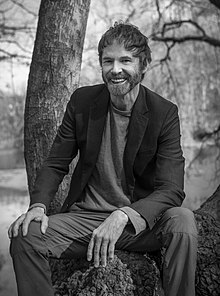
68	235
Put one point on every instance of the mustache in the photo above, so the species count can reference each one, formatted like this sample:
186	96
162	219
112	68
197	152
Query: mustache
117	76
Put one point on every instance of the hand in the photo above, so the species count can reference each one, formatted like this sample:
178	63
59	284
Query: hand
36	214
104	238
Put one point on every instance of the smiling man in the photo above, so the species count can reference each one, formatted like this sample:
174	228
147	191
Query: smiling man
127	188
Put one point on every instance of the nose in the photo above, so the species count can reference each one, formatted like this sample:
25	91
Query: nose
116	68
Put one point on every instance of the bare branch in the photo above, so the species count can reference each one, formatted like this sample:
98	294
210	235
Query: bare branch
171	26
167	56
15	43
158	10
7	55
24	8
17	28
204	135
177	24
210	40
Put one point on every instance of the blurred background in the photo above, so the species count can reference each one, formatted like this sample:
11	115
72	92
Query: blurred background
185	42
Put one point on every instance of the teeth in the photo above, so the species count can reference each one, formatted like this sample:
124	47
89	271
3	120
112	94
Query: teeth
117	80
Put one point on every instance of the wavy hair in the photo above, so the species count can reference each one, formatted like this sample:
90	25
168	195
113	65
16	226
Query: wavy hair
132	39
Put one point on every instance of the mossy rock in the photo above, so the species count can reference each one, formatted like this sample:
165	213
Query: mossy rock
129	274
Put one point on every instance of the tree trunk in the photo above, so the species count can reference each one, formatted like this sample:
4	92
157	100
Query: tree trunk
132	274
54	75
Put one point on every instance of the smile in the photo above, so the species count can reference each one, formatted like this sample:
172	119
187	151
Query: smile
117	81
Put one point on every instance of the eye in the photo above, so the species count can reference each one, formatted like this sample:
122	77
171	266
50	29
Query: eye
107	62
126	61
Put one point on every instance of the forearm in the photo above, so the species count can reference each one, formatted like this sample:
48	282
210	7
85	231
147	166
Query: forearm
154	205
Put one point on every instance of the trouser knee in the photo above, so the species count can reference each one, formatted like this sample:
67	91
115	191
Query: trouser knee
33	240
180	220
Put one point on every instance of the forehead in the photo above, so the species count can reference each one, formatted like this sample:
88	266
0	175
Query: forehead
116	50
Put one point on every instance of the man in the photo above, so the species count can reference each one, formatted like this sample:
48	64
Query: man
127	187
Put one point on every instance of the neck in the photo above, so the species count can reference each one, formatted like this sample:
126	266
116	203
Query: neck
126	102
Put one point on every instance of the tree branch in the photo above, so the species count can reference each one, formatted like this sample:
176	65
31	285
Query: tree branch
7	55
161	36
177	24
17	44
24	8
204	135
212	41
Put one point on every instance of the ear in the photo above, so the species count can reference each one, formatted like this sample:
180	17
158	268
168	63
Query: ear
144	70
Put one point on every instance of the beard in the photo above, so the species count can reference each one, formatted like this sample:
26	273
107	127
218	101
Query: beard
121	89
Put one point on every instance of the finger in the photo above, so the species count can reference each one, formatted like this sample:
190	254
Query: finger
10	231
90	249
15	226
26	223
111	251
44	224
104	248
97	251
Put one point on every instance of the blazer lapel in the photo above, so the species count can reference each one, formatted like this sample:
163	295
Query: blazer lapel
97	118
137	127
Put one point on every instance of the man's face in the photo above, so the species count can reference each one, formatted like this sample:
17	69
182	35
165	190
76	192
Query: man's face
120	69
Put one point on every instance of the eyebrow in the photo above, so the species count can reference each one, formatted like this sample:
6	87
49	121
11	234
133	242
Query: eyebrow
122	57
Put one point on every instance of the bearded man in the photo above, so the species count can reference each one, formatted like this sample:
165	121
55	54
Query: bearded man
127	187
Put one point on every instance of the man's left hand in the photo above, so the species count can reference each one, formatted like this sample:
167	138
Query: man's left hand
104	238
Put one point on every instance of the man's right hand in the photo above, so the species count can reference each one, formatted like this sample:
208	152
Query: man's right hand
35	214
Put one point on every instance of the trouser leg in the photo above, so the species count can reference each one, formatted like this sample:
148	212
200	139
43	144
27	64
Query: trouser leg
176	234
67	236
30	261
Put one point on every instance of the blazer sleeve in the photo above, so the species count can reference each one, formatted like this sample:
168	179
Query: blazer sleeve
169	172
56	166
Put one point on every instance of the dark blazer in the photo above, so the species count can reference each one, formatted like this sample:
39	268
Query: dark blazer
153	160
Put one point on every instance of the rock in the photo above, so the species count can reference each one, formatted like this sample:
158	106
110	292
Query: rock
208	260
129	274
132	274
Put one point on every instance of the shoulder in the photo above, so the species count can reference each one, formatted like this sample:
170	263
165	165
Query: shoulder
90	90
87	94
158	106
154	99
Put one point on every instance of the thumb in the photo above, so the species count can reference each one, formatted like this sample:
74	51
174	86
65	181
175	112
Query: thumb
44	224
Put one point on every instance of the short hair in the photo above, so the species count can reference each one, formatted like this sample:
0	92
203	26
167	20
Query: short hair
132	39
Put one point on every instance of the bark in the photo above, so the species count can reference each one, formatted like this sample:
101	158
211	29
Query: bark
54	75
133	274
129	274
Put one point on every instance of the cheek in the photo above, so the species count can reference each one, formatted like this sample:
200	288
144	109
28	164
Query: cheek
106	71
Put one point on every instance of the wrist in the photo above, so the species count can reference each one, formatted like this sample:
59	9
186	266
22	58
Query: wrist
39	208
38	205
123	216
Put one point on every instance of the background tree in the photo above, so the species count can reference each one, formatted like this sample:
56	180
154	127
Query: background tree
191	30
17	29
54	74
